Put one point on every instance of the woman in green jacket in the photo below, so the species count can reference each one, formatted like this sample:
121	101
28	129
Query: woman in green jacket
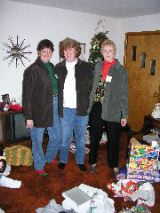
108	105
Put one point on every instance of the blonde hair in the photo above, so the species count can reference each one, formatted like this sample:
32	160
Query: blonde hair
108	42
69	43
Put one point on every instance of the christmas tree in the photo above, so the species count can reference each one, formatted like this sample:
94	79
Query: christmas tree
96	42
99	37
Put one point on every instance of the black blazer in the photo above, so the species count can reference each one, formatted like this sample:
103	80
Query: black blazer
84	76
38	95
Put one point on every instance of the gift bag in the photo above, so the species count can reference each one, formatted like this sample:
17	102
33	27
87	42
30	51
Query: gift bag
18	155
143	163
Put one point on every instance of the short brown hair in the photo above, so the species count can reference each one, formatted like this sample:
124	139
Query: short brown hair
108	42
45	43
69	43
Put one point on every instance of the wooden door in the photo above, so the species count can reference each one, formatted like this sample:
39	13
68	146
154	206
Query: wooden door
142	60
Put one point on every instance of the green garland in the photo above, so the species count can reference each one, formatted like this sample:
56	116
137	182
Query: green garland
96	42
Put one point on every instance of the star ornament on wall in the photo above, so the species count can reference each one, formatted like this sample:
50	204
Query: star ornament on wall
16	51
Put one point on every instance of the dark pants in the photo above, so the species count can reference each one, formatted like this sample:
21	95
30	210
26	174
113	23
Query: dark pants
113	130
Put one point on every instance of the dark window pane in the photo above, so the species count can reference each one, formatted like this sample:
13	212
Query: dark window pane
153	67
133	53
143	58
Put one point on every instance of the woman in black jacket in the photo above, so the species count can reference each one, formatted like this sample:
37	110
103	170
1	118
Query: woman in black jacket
40	103
74	84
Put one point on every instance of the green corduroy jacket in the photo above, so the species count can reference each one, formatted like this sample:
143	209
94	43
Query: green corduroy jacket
115	104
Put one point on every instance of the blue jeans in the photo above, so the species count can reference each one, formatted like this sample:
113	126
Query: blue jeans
73	122
54	133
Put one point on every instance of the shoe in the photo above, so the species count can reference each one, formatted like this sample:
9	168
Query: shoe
116	170
82	167
92	168
42	172
61	165
54	162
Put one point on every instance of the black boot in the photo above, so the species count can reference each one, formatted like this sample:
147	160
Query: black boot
82	167
61	165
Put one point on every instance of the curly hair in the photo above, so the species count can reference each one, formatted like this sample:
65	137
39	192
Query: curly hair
69	43
45	43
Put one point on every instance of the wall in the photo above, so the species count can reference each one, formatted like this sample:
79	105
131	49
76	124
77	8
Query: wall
33	23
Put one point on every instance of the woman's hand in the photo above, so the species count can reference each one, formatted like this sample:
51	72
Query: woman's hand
123	122
29	123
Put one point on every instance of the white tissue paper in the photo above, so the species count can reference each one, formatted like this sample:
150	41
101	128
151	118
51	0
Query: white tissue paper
86	199
9	182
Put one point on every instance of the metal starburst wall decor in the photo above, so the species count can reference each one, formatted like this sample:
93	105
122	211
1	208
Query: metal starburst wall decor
16	51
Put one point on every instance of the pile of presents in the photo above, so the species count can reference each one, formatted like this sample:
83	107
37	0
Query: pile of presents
136	178
143	164
134	183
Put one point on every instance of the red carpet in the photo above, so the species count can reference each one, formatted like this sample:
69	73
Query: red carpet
37	191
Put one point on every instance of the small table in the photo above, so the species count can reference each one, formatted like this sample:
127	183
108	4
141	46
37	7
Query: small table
13	127
150	123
